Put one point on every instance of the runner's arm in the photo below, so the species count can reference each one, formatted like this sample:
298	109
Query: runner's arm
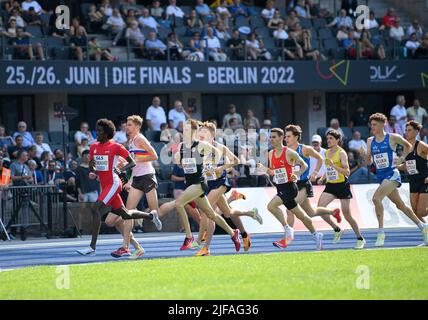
397	139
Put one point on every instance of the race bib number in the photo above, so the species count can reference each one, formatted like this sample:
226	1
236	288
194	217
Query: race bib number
411	167
281	176
381	160
332	174
210	173
101	163
189	165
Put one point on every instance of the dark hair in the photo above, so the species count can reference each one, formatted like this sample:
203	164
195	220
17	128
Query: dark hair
416	125
108	127
18	136
279	131
85	152
335	134
295	130
19	154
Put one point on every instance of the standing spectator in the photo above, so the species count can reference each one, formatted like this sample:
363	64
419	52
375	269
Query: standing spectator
317	145
251	120
20	173
115	25
84	133
341	20
400	112
41	146
156	10
35	173
239	10
393	127
155	47
88	189
335	125
417	112
389	18
27	4
120	136
5	141
174	10
231	114
350	6
79	44
359	119
268	12
356	143
18	147
23	47
214	47
396	31
416	28
146	21
155	116
27	137
177	115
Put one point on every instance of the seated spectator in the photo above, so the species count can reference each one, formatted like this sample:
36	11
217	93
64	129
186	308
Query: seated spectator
412	44
5	141
10	32
120	136
396	31
155	48
393	127
239	9
22	131
236	46
32	18
32	155
312	9
147	21
251	120
197	48
306	44
335	125
59	159
98	53
20	173
70	177
204	11
342	33
96	17
115	25
280	33
214	47
53	30
221	31
53	175
10	5
359	119
359	171
256	49
417	112
23	47
371	22
79	44
301	9
269	11
84	146
193	21
41	146
341	20
165	135
223	9
292	20
231	114
275	21
422	51
389	19
367	49
16	15
44	159
18	147
75	26
174	10
156	11
28	4
416	28
106	9
35	173
175	48
135	36
350	45
356	143
84	133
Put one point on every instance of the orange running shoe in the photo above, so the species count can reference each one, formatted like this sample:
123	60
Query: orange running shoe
247	243
203	252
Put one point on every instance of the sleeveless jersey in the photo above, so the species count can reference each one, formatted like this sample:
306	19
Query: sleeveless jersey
192	163
333	176
417	167
296	167
142	168
283	170
383	156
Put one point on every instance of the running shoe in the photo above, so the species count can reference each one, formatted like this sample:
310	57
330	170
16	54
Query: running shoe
187	244
337	216
338	235
237	195
203	252
86	252
380	241
282	244
360	244
425	233
194	245
156	221
236	240
318	239
138	253
256	216
289	235
121	252
247	242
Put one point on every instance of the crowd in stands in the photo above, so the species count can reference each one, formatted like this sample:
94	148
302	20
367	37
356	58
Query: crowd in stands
219	31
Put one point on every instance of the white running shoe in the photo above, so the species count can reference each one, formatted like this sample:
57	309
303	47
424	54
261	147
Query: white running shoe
156	221
318	238
338	235
289	235
257	216
88	251
425	233
380	241
360	244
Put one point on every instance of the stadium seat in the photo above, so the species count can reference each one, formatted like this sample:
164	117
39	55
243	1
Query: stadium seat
181	31
43	133
61	53
35	31
56	137
325	34
187	10
72	148
242	22
52	43
264	32
45	17
269	43
319	23
257	21
347	132
330	47
178	22
255	11
305	23
163	32
365	131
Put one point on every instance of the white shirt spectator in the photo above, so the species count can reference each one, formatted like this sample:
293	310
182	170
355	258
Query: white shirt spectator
268	14
399	112
174	11
42	148
27	5
280	34
411	29
213	43
120	137
176	117
221	10
157	116
396	33
371	24
28	139
148	22
253	44
357	144
418	114
79	136
313	164
116	21
413	45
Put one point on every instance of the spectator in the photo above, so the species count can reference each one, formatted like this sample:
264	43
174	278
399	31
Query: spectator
267	125
350	45
301	9
155	48
423	135
53	30
165	135
96	17
135	36
389	18
35	173
342	34
88	189
155	116
280	33
84	146
317	145
412	45
214	47
18	147
359	171
417	112
22	131
32	155
422	51
251	120
335	125
204	11
268	12
193	21
70	181
10	5
98	53
106	9
174	10
222	32
350	6
59	159
44	159
400	112
256	49
16	15
366	48
20	173
23	47
177	115
341	20
371	22
292	20
41	146
79	44
5	141
28	4
115	25
223	9
175	48
196	48
146	21
120	136
75	26
156	10
32	18
393	127
236	46
238	9
231	114
11	30
84	133
416	28
356	143
5	173
274	22
53	175
396	31
313	10
306	45
359	119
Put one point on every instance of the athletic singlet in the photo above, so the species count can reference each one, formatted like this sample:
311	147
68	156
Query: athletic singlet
383	156
297	166
142	168
282	169
334	176
192	163
417	167
209	169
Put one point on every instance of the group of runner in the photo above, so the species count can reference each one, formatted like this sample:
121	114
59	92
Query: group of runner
206	163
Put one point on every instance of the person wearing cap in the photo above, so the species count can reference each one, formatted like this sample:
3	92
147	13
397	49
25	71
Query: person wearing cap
317	145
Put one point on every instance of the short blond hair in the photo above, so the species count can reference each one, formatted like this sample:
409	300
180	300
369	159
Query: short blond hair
136	119
210	126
